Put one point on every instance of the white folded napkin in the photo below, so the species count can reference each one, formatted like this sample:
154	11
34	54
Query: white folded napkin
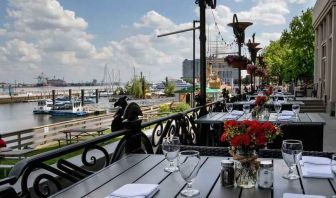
135	191
252	101
282	101
230	117
317	167
287	113
292	195
284	118
316	160
237	113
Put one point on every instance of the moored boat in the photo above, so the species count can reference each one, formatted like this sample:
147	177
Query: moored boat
43	106
68	108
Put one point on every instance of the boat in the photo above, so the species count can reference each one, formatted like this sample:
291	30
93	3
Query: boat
68	108
43	106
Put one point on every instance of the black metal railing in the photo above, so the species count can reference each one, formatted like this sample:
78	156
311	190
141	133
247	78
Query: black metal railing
37	178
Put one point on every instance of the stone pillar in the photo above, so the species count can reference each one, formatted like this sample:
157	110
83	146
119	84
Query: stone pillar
327	62
333	60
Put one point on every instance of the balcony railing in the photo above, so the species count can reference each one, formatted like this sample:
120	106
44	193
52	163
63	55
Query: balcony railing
37	178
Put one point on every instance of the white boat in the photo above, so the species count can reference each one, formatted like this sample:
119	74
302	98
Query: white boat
68	108
43	106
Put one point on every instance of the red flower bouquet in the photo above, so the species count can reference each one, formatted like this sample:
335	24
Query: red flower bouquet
248	135
260	72
261	100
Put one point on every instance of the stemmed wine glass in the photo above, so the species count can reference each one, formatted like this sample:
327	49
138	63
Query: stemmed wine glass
246	108
333	168
277	108
229	107
291	153
296	110
189	164
171	148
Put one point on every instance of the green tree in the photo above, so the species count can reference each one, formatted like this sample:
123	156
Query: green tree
137	87
292	56
169	89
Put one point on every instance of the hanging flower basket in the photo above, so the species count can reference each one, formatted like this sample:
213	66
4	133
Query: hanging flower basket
251	68
260	72
237	61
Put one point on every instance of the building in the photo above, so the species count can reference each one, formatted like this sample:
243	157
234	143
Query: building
226	73
324	22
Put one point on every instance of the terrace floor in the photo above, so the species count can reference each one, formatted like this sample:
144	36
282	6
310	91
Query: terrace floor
329	139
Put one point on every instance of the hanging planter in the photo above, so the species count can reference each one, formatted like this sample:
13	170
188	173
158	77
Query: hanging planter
239	62
251	68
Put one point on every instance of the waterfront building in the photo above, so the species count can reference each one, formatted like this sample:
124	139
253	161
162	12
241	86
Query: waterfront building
226	73
324	22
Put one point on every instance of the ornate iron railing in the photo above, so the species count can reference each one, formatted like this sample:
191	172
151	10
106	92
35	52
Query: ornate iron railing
38	179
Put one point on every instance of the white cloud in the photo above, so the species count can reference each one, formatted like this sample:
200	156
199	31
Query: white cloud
266	37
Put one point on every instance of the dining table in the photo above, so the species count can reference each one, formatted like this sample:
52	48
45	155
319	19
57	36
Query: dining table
149	169
308	127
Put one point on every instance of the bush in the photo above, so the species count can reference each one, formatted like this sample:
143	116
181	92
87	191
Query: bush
182	106
164	108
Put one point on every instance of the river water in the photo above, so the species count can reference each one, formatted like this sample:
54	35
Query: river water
19	116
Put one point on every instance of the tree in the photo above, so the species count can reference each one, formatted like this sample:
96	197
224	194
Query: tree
137	87
169	89
292	56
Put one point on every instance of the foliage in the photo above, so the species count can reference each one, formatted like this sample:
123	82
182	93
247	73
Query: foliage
248	135
137	87
169	89
119	91
292	56
246	80
182	106
164	108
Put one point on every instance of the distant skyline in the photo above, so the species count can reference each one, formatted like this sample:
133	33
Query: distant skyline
75	39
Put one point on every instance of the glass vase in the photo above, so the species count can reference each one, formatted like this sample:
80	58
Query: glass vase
246	169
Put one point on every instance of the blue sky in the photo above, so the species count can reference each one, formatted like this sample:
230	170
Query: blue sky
75	39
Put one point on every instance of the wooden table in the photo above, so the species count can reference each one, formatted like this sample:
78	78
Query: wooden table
140	168
269	104
308	128
76	133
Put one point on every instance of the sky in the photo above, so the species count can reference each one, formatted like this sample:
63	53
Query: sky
75	40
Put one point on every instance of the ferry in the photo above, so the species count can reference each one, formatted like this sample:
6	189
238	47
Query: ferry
68	108
43	106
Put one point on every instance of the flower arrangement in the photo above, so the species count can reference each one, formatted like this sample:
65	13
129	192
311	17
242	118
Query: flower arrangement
261	100
260	72
251	68
248	134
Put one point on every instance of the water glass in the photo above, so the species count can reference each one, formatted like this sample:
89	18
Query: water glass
291	153
189	164
246	109
296	110
333	168
229	107
276	98
248	98
277	108
171	148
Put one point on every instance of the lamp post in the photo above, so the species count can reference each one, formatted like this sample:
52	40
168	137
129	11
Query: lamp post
253	49
239	32
193	90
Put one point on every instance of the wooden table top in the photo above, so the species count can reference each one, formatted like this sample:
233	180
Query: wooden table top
220	117
141	168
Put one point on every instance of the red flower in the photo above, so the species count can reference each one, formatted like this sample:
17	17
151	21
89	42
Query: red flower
245	139
269	127
261	139
230	123
260	100
223	137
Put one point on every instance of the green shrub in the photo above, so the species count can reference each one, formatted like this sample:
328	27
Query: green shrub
164	108
182	106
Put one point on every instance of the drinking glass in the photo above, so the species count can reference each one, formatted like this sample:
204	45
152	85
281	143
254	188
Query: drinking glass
229	107
277	108
246	108
291	153
296	110
171	148
333	168
189	164
248	98
276	98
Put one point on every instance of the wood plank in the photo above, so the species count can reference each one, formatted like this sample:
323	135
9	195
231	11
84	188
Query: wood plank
127	177
282	185
207	176
256	193
316	186
304	118
155	175
316	118
172	185
92	182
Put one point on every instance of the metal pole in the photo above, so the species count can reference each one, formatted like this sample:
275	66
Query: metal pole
53	96
70	94
179	31
193	90
82	97
202	53
97	95
239	71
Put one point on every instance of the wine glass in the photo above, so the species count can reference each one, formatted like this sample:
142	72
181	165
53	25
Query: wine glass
189	164
276	98
171	148
333	168
296	110
291	153
229	107
277	108
246	108
248	98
